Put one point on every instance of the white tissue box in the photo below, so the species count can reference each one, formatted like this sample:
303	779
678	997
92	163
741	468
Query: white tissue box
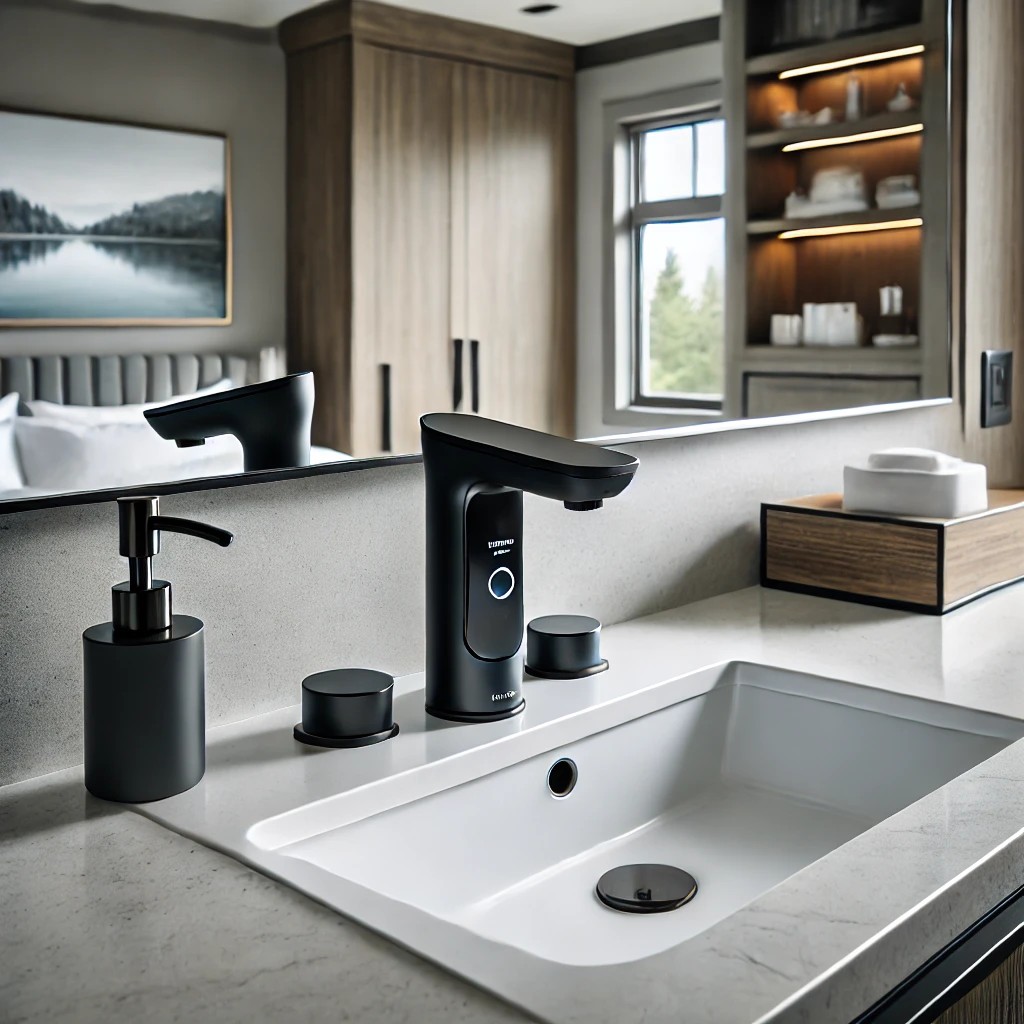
916	482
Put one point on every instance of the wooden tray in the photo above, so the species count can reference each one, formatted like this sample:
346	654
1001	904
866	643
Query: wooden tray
810	545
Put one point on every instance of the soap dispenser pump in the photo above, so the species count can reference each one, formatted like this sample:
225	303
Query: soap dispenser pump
145	720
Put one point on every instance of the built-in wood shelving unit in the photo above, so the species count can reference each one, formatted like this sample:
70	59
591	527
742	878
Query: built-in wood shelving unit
778	263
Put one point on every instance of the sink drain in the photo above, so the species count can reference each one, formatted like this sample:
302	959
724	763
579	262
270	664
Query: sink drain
646	888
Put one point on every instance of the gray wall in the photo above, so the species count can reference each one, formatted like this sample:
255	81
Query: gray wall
163	74
328	571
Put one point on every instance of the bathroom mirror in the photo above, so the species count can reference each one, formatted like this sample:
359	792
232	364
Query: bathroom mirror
590	219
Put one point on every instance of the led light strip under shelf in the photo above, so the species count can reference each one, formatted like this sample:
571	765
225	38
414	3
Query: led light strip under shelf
849	62
851	229
842	140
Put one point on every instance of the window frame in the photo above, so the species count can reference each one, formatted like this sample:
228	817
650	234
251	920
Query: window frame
664	211
621	312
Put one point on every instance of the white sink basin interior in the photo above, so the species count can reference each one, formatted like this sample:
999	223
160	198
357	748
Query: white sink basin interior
744	784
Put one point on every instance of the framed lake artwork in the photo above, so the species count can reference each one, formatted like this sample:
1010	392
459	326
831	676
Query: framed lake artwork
104	223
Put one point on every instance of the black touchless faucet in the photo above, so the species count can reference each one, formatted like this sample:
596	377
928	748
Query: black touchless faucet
271	419
476	472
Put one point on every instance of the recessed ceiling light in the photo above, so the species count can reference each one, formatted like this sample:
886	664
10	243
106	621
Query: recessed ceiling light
538	9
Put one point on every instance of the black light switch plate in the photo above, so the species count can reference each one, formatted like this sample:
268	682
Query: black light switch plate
996	388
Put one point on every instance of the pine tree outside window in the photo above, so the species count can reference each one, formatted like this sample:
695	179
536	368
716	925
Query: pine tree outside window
678	245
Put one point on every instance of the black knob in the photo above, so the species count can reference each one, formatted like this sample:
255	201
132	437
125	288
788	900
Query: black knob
346	707
564	647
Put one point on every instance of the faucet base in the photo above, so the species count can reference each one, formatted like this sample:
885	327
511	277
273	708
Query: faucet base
488	716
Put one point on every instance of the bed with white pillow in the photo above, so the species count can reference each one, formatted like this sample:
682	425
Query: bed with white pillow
76	423
12	479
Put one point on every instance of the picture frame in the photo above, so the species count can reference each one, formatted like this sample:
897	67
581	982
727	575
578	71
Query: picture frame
111	223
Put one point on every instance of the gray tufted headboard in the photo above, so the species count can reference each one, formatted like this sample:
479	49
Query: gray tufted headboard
124	379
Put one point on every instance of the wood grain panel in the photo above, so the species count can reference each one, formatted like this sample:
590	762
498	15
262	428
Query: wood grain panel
771	277
460	40
407	226
994	223
402	29
766	99
982	553
878	85
325	23
783	275
877	160
771	176
402	238
852	268
965	557
519	131
319	205
999	999
880	560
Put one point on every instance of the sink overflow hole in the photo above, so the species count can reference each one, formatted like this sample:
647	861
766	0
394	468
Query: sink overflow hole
562	777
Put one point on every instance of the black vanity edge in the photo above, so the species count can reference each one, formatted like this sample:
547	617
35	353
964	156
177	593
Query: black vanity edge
206	483
956	969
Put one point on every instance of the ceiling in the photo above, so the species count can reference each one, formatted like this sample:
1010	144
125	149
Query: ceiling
578	22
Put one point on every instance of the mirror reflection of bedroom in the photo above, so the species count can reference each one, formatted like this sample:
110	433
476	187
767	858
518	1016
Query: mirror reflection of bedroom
705	215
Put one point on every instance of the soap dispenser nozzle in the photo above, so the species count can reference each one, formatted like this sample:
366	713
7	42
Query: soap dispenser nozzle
142	604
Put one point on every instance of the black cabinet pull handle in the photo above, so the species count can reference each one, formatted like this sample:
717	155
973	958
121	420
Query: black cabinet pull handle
385	407
474	374
457	375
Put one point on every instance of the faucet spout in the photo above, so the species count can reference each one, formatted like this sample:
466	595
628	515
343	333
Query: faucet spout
476	471
272	420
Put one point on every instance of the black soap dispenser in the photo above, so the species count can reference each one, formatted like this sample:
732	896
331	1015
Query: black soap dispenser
145	720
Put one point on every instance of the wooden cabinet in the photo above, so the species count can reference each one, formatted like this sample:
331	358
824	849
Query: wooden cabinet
517	282
430	199
783	255
998	999
402	209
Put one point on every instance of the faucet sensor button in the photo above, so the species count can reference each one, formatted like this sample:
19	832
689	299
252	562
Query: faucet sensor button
501	583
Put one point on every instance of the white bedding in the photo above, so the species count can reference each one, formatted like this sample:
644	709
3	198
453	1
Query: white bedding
10	466
64	456
63	448
193	466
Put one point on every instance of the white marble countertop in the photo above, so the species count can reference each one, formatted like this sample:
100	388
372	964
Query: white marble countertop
108	916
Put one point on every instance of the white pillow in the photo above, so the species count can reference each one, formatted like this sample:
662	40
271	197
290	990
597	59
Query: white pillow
10	469
94	415
318	456
78	456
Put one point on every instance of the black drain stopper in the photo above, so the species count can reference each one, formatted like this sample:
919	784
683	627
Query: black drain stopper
646	888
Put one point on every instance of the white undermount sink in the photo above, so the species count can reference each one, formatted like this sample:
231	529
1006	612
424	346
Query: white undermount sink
742	775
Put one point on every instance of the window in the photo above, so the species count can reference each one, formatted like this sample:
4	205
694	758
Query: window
677	236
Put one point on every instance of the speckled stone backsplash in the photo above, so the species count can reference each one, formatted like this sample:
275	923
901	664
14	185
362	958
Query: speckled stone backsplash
327	571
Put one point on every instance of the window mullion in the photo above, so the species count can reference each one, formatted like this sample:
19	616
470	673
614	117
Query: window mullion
665	210
694	160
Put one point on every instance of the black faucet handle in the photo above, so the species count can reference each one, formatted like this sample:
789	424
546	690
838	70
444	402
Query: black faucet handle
214	534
